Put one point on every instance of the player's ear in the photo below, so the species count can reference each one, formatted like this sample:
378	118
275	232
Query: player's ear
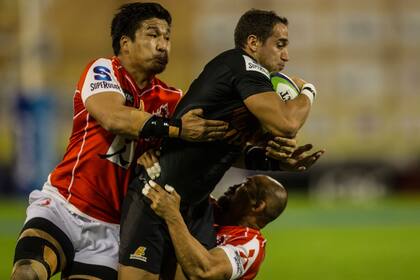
124	44
259	206
252	43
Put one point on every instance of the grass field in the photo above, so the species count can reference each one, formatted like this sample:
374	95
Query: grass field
342	240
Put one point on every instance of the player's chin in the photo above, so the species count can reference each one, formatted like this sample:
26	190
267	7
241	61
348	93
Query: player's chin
159	69
223	203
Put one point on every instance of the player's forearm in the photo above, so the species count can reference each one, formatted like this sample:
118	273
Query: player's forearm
287	121
126	121
276	116
193	257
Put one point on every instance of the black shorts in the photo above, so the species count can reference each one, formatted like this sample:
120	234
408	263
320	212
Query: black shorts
145	241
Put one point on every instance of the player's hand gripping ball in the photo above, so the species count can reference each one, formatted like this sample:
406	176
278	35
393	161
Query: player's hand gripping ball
284	86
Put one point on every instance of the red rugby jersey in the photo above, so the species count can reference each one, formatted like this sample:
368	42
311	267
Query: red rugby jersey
245	248
97	166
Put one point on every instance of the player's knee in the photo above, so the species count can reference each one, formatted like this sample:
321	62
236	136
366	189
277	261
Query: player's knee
29	270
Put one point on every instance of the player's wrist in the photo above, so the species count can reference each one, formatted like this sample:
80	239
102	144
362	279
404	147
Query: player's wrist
175	128
161	127
309	91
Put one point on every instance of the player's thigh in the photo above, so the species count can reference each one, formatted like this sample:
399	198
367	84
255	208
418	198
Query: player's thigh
44	242
142	241
96	251
89	272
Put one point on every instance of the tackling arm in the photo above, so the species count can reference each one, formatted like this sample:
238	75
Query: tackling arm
110	112
195	260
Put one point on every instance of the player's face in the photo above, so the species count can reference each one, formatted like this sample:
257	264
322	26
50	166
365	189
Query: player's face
273	53
240	197
150	49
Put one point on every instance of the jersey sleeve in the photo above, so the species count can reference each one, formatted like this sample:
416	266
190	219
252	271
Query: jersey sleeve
251	78
242	257
100	77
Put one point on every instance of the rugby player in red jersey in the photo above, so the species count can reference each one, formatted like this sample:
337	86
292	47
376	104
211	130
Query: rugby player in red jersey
240	214
120	107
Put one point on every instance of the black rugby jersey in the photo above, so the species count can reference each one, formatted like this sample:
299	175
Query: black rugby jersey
194	169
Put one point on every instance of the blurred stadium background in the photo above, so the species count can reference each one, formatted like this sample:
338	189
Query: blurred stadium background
355	215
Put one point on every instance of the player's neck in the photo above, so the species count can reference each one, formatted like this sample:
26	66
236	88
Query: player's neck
141	77
250	53
249	223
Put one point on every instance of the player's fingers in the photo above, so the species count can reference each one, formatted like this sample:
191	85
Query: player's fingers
146	189
276	154
232	132
153	158
172	191
196	112
150	173
219	135
285	141
154	186
314	158
140	161
274	146
169	188
302	149
157	169
215	125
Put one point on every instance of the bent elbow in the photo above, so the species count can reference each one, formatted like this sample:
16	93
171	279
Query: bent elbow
288	129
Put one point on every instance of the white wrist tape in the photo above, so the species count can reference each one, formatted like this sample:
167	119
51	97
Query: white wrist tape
310	91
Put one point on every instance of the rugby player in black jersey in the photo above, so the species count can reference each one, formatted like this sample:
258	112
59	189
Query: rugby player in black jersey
235	87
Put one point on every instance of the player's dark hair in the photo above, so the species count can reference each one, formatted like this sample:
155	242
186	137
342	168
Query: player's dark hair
130	16
256	22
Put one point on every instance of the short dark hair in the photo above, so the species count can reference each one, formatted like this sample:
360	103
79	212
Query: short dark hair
256	22
130	16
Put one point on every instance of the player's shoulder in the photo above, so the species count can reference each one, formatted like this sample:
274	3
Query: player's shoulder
99	64
165	87
229	57
240	62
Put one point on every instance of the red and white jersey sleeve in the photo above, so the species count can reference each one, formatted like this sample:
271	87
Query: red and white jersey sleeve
245	248
98	165
100	77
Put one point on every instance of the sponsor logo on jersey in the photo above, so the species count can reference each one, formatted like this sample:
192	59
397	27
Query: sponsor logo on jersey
139	254
104	85
102	73
238	263
252	65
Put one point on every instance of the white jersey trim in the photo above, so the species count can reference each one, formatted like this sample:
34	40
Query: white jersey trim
99	78
252	65
239	256
78	157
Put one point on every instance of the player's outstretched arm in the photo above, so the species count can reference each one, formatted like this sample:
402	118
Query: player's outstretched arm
196	261
278	117
109	111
